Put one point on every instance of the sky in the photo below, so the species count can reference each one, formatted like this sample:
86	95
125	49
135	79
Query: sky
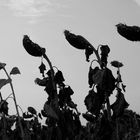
44	21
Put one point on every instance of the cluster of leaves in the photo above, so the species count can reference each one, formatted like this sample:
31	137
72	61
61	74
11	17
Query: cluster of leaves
62	119
127	126
10	129
60	112
102	83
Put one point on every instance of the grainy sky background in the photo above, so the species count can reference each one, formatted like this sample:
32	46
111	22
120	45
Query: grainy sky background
44	21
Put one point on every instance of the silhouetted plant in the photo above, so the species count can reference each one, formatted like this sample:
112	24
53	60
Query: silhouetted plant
62	116
102	83
4	104
131	33
104	121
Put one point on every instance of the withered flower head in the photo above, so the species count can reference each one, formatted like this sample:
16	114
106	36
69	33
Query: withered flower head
116	64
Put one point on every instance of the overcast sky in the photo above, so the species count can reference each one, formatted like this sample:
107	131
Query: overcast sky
44	21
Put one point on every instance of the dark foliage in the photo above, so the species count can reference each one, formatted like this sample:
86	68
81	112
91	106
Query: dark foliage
119	105
116	64
107	85
79	42
32	48
93	102
4	107
94	76
42	68
131	33
59	79
76	41
104	54
62	119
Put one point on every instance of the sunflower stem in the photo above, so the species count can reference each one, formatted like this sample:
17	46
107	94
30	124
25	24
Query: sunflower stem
96	53
52	77
107	98
19	119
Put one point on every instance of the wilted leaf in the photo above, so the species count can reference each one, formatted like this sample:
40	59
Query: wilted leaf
39	114
41	82
4	107
104	54
123	87
3	82
2	65
93	102
49	88
50	112
44	113
88	52
59	79
119	105
32	110
116	64
90	74
108	82
42	68
14	71
88	117
71	104
68	90
98	76
105	49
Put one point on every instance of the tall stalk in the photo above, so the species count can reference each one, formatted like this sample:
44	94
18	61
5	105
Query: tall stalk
52	78
14	98
107	98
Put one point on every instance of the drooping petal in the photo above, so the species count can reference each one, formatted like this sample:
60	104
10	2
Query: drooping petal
32	48
131	33
76	41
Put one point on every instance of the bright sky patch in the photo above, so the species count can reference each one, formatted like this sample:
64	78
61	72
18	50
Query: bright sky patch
29	8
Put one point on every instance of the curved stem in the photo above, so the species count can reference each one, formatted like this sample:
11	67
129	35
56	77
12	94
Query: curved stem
55	67
52	76
14	97
9	96
100	63
98	47
96	53
93	61
20	108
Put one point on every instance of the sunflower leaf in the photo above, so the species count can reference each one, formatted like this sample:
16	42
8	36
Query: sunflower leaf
15	71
